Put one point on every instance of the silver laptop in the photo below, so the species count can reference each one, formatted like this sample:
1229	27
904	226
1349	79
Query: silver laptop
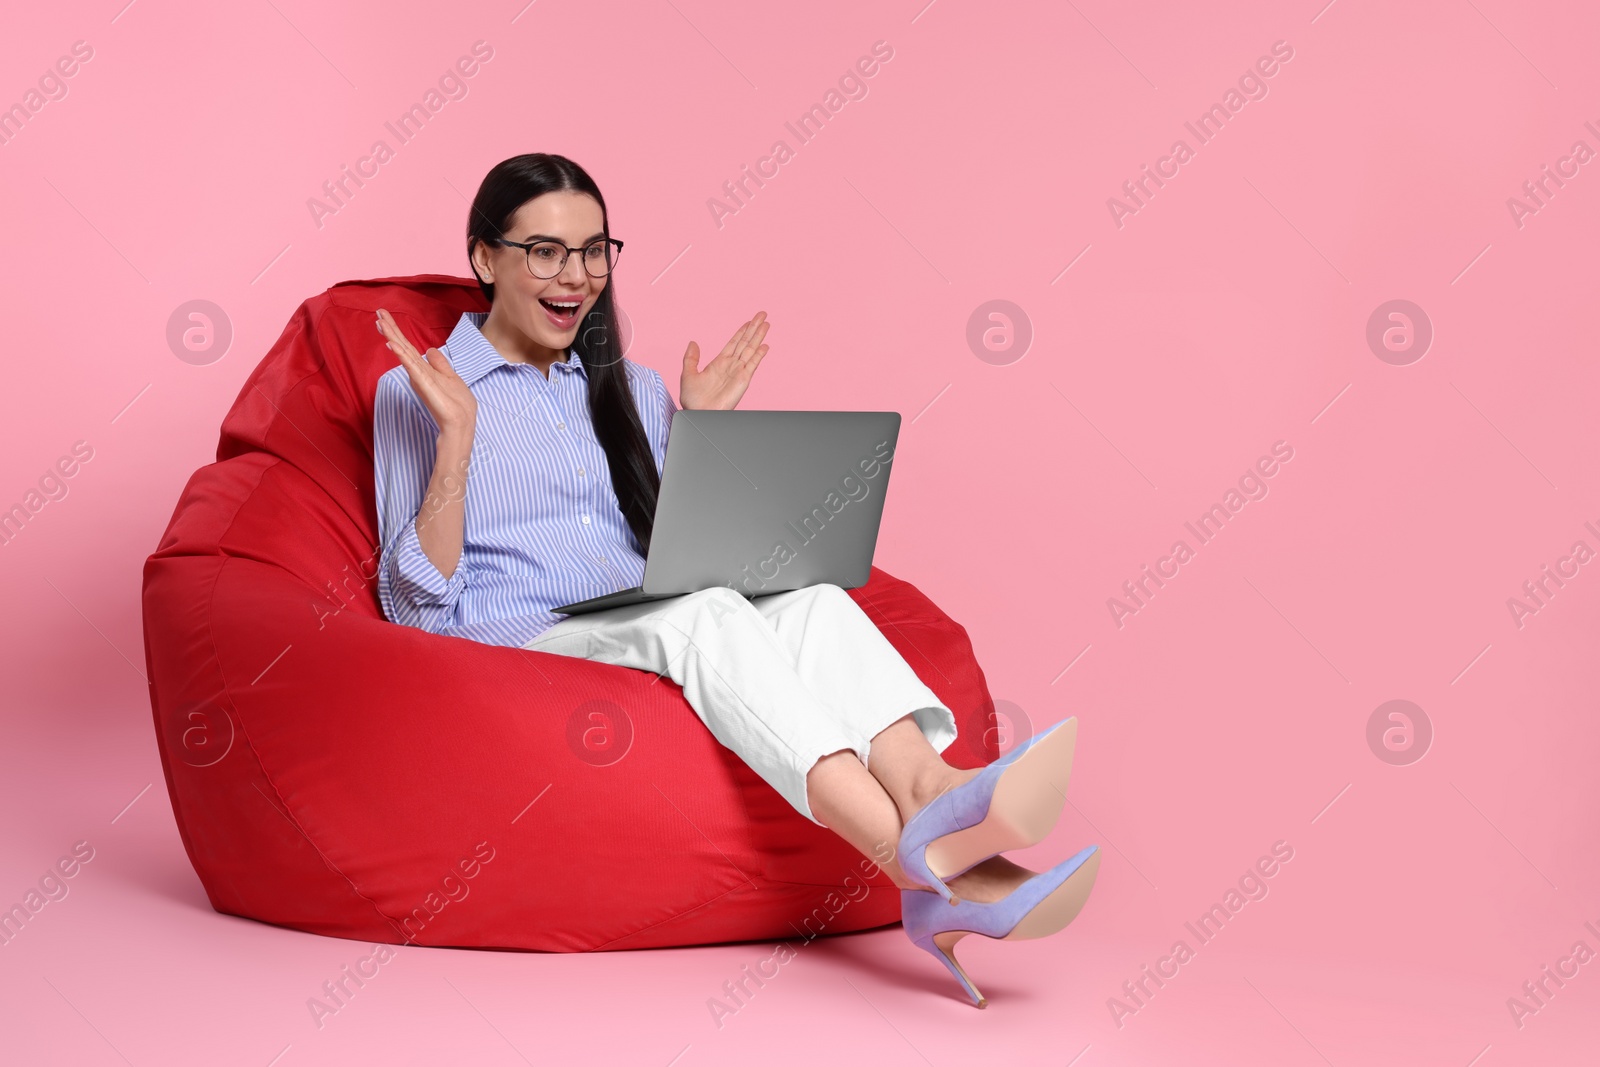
764	502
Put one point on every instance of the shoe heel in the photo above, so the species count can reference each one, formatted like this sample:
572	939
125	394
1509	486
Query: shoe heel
943	945
915	864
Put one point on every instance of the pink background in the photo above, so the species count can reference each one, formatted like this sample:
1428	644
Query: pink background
1230	312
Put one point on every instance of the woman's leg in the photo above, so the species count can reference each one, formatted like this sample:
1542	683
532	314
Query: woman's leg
855	805
735	674
843	658
741	681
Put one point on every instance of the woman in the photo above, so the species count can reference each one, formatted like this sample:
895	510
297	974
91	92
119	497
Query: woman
531	411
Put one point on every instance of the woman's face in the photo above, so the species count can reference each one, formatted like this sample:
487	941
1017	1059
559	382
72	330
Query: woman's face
574	219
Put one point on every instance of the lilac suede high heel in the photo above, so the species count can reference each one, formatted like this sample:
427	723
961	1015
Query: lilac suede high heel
1037	908
1012	803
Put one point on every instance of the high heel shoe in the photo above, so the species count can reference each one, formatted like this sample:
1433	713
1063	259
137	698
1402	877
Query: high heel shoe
1012	803
1037	908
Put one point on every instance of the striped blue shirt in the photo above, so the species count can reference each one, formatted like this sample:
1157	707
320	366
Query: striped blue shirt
542	522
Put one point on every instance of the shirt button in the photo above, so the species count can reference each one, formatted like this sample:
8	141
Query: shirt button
586	520
602	559
580	472
561	426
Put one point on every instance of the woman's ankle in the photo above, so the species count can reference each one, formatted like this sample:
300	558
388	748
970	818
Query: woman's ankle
993	879
929	786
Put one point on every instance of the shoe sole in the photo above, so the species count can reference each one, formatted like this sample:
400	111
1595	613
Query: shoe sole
1016	817
1058	909
1049	916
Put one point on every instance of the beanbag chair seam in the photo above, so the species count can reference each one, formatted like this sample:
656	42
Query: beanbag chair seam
602	946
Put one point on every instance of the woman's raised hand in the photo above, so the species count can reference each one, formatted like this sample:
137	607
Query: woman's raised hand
725	378
454	407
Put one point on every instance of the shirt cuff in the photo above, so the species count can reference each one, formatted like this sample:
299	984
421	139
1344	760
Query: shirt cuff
417	579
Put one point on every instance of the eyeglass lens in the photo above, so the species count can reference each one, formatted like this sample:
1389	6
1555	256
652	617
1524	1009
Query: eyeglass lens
547	259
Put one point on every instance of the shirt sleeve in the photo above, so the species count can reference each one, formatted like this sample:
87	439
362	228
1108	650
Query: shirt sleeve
667	409
411	589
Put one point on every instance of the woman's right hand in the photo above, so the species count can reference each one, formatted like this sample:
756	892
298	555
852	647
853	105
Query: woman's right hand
444	392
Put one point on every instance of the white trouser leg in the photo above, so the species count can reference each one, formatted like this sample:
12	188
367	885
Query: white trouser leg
844	659
782	681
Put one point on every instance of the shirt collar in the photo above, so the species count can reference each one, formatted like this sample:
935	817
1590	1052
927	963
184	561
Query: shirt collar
472	356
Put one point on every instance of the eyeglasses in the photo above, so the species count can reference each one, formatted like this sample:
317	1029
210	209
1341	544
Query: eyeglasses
546	259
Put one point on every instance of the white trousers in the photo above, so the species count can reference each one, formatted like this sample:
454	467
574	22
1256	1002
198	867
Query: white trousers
782	680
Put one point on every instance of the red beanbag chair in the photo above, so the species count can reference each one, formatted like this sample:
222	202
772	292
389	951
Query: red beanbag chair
338	773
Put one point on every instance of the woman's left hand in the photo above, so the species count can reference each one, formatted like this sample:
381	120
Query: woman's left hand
723	381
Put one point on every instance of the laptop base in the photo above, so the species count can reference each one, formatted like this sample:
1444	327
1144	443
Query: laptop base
621	597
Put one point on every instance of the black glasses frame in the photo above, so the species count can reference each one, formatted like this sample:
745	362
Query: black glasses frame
528	247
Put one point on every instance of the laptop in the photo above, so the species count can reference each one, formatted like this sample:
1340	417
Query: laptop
764	502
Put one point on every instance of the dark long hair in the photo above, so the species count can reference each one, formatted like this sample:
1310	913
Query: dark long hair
634	478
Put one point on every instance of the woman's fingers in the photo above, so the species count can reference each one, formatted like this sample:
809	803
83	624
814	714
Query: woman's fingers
422	374
415	364
398	341
397	338
748	336
753	341
735	341
756	338
441	362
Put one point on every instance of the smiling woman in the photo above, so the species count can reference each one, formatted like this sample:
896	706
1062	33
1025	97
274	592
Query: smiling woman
328	770
801	685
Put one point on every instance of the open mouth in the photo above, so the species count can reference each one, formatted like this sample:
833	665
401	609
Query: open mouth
564	313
